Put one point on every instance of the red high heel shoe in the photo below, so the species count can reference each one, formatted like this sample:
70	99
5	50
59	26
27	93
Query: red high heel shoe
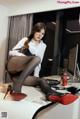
65	99
54	98
68	99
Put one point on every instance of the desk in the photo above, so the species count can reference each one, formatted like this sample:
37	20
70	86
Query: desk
71	111
26	108
70	82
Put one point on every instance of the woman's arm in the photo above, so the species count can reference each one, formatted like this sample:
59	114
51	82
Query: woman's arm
20	44
15	49
15	53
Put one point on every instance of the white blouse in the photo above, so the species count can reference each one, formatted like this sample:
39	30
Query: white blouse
36	49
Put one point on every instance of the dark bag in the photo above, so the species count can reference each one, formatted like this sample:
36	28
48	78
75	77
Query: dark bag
26	51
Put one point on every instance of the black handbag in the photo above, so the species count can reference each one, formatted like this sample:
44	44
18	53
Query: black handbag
26	51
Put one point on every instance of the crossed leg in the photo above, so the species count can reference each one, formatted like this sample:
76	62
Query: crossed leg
23	64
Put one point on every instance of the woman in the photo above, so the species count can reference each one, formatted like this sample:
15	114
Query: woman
34	43
27	55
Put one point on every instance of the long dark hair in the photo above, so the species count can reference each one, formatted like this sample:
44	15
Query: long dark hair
37	28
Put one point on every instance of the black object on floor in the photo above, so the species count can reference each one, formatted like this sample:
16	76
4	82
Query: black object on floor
73	90
52	82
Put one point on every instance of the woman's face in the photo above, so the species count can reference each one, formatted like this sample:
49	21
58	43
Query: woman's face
39	35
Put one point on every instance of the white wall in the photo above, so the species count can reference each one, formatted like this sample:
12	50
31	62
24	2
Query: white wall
33	6
3	38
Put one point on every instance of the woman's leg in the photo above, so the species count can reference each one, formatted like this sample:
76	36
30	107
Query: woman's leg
26	64
17	63
42	83
31	81
29	68
50	94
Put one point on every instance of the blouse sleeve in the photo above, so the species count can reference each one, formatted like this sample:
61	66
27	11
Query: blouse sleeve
15	50
20	44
